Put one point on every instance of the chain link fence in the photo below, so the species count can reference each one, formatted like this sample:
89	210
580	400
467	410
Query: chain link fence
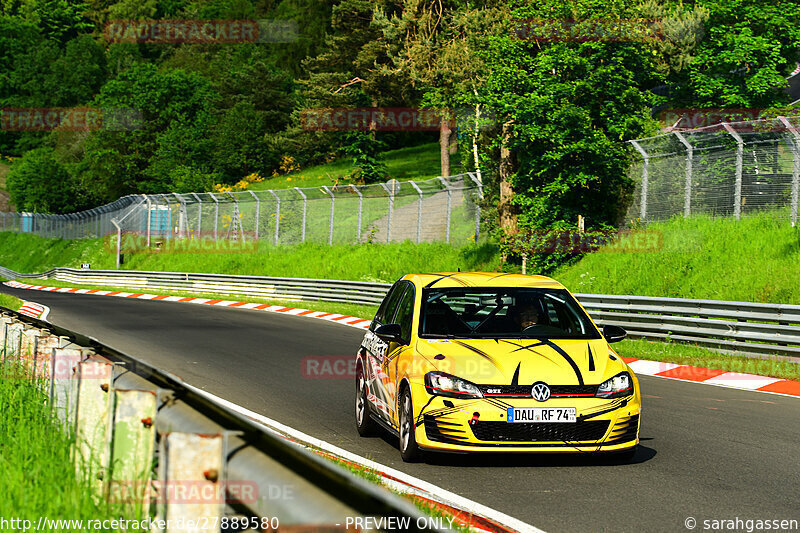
727	169
439	209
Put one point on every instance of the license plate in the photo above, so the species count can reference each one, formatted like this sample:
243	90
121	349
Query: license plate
541	414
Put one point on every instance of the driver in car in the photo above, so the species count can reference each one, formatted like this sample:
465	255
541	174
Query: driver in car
527	315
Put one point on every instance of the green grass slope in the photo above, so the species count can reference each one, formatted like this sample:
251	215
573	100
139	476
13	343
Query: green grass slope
755	259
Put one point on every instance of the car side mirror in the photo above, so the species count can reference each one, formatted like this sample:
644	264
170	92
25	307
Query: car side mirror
614	333
390	333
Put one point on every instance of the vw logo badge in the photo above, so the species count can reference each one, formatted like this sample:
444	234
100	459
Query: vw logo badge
540	392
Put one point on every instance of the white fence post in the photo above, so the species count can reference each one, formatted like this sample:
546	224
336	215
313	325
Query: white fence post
687	196
305	212
277	214
419	211
258	211
360	208
645	180
795	146
391	209
449	204
737	196
330	226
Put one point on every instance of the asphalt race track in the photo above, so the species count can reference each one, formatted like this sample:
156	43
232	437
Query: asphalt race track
707	452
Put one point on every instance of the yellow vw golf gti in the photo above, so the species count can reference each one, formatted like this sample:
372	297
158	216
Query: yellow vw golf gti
476	362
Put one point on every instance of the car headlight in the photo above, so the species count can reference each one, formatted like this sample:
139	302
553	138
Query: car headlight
442	384
616	387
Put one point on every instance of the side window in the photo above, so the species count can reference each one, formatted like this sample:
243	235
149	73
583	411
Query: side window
405	313
387	308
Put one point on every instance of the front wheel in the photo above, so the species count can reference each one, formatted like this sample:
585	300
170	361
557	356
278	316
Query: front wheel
409	450
364	423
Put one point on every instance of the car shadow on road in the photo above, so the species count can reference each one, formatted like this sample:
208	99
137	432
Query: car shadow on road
643	454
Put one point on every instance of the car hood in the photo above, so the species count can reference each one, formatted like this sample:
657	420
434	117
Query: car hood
522	361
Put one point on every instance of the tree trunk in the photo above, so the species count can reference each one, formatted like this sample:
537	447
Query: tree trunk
508	215
444	146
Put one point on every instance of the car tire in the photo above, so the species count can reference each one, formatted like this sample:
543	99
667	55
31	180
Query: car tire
409	450
365	425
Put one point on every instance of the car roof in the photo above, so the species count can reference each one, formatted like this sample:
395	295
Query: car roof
481	279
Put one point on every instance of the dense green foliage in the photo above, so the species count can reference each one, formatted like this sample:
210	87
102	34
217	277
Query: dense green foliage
544	115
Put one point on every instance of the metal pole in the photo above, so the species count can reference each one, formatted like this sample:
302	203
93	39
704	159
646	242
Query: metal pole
182	225
258	211
360	206
277	214
737	198
330	225
419	211
199	214
169	219
479	183
216	214
391	209
687	196
796	168
645	180
149	217
119	240
305	210
449	202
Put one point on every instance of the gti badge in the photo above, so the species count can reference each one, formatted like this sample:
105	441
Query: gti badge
540	392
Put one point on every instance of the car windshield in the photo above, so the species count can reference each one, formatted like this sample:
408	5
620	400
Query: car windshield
477	312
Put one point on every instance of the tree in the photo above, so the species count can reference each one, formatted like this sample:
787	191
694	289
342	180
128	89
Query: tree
175	126
40	184
566	109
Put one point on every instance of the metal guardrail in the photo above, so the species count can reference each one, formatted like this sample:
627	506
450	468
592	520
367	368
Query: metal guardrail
323	493
739	327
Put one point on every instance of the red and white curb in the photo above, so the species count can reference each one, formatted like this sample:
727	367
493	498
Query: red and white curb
706	376
465	511
34	310
719	378
347	320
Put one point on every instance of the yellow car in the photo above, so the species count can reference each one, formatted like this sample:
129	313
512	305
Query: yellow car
475	362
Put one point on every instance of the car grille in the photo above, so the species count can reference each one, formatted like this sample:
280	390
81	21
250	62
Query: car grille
557	391
590	430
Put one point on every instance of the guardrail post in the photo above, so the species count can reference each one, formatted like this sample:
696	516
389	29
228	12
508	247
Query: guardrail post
419	211
687	196
390	193
92	426
645	180
795	146
305	211
330	226
196	461
258	211
131	450
737	197
64	383
479	183
449	203
360	208
277	215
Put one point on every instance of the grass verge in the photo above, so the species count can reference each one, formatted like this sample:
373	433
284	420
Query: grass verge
28	253
39	477
693	355
755	259
10	302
